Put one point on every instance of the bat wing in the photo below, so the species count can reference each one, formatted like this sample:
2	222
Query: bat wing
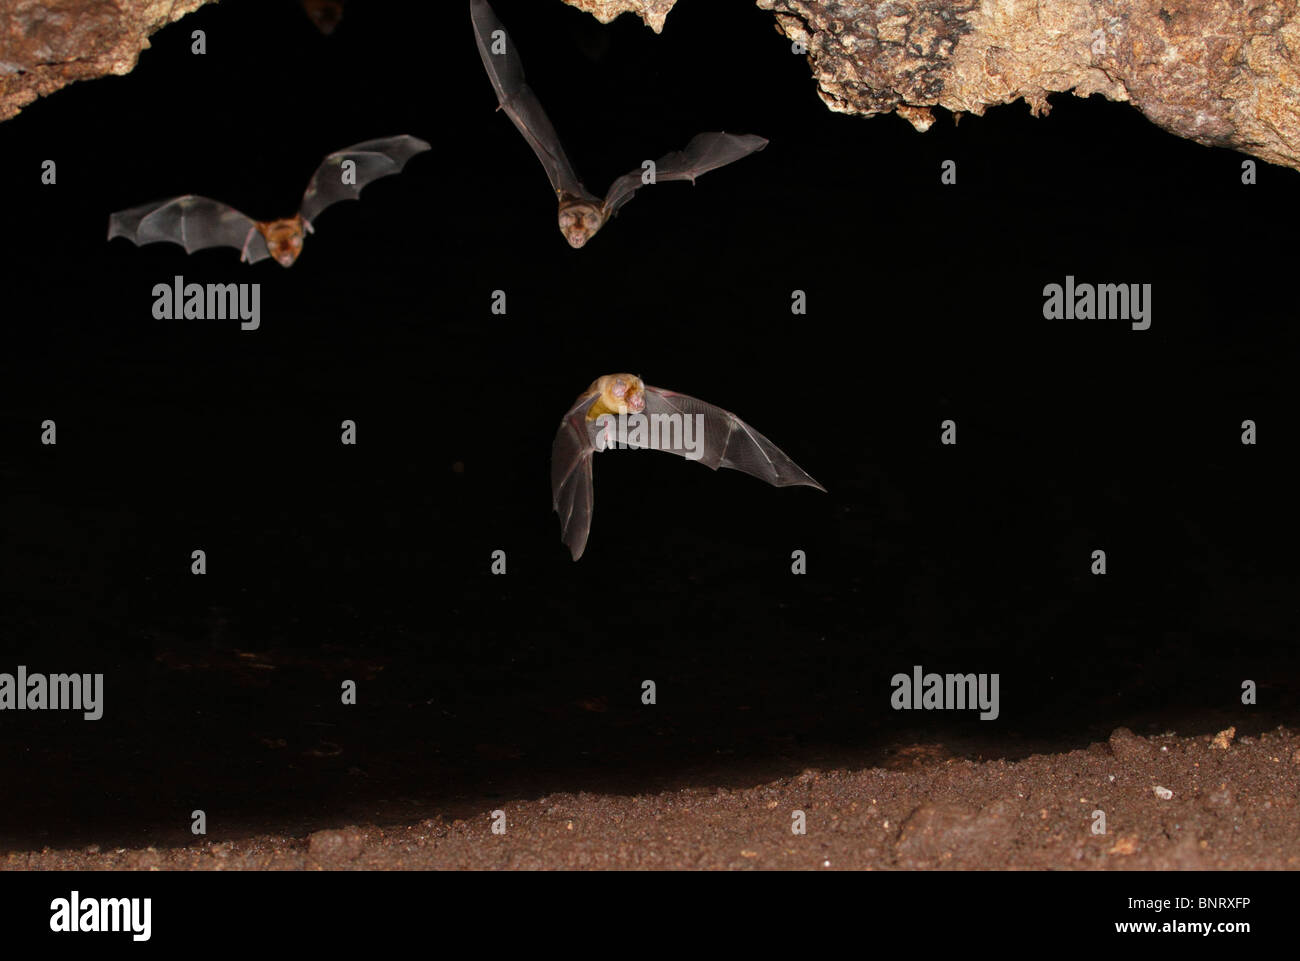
193	222
705	152
571	486
506	71
727	440
374	159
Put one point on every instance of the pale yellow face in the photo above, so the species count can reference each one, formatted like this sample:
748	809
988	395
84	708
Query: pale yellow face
579	223
283	239
619	394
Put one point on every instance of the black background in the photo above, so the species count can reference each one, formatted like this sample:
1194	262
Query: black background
371	562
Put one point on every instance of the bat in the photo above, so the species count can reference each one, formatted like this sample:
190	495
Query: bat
197	222
326	14
581	213
622	410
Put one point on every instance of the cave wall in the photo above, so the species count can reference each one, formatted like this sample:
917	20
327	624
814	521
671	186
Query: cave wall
1224	73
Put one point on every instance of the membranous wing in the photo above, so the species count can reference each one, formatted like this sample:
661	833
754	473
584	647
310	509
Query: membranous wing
705	152
727	440
572	492
332	182
505	69
193	222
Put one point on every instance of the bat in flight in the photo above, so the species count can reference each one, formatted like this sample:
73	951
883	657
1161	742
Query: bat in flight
622	410
326	14
581	213
197	222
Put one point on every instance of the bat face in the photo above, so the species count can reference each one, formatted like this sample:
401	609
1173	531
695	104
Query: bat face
283	238
579	222
619	393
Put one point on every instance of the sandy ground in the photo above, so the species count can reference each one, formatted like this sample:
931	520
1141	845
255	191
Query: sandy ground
1209	802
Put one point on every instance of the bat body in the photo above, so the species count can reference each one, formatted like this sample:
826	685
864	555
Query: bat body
582	213
325	14
622	410
198	222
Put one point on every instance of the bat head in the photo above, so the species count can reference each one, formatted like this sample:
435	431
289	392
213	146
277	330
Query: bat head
619	393
326	14
284	238
579	222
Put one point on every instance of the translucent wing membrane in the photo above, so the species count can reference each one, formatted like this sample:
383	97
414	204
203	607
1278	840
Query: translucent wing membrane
506	71
571	485
191	221
705	152
728	440
373	159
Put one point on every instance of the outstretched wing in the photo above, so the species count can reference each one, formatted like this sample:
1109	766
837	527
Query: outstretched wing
191	221
506	71
373	159
727	440
571	487
705	152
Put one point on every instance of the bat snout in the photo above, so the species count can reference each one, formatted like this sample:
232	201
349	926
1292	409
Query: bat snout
283	238
579	223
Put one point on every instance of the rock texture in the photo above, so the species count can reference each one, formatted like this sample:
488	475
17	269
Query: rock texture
48	44
653	12
1220	72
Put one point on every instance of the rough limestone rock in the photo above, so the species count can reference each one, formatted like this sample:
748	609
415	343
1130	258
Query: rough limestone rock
653	12
48	44
1220	72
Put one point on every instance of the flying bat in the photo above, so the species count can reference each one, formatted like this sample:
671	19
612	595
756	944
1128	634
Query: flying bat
197	222
581	213
326	14
622	410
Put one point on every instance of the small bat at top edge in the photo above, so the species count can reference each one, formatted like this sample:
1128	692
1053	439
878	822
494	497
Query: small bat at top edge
724	441
581	213
325	14
197	222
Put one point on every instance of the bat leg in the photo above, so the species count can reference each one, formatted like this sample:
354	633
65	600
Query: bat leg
243	254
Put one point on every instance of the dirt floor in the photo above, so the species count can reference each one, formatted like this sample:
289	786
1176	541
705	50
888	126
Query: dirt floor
1209	802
